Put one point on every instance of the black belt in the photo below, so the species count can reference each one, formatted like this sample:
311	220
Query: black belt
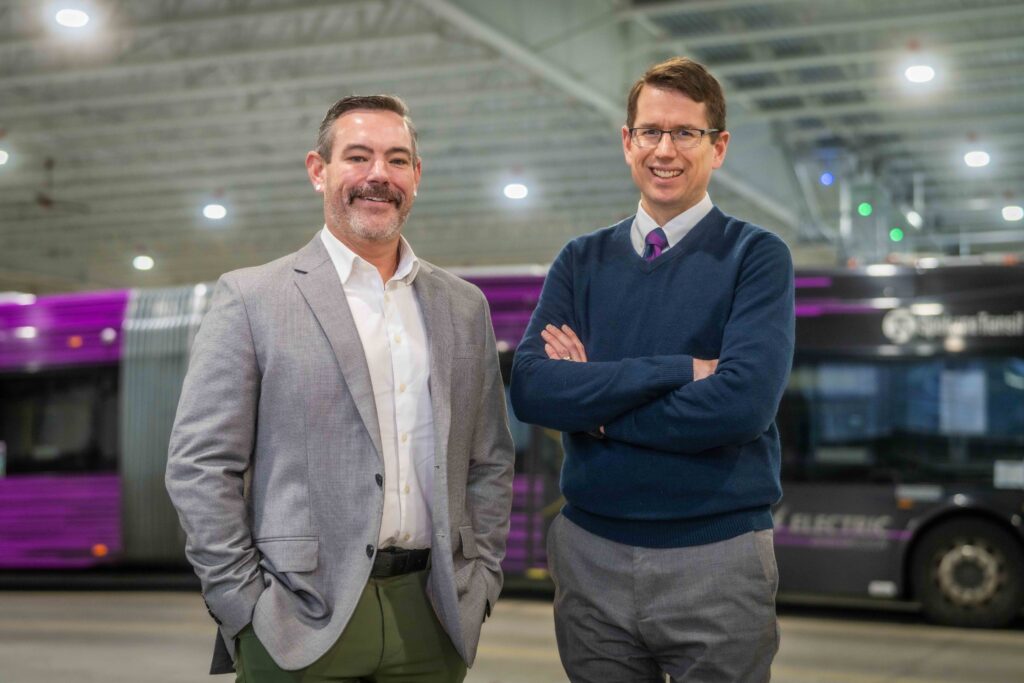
393	561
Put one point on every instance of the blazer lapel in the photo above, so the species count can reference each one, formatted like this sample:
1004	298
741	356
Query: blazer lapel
432	294
318	281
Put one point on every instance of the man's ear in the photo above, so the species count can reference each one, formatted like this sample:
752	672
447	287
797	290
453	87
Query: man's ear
720	146
315	169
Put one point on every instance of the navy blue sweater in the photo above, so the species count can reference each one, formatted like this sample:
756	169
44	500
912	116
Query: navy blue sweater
684	462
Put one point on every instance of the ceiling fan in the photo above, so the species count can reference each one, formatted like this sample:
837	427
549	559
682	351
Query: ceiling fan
45	197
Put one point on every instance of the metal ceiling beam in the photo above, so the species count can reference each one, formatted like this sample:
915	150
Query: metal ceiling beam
748	67
565	81
146	31
884	21
69	129
665	9
915	125
283	127
875	106
886	84
576	87
256	54
394	73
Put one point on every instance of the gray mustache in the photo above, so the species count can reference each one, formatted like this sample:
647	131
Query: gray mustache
375	192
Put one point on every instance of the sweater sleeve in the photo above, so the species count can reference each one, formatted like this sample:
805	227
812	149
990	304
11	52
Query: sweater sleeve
580	397
739	401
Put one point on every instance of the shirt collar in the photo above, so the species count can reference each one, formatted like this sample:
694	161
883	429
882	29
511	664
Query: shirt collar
345	259
676	228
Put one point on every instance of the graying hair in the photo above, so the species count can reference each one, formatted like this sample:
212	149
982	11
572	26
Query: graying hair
324	138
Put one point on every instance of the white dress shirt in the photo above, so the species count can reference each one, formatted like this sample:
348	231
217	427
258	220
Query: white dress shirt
391	329
675	229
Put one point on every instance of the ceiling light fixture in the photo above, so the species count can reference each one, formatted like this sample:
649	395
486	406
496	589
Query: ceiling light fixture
919	73
4	156
1013	213
71	18
143	262
516	191
215	211
977	158
914	218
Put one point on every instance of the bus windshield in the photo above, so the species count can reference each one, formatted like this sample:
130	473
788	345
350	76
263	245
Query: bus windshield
938	419
60	420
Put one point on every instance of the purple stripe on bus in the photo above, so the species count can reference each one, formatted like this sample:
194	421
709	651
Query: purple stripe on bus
812	282
813	309
64	329
785	538
55	521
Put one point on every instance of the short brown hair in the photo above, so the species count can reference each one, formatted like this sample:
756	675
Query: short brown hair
324	139
688	77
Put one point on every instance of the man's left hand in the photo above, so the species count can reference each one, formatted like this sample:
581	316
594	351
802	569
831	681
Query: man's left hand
561	343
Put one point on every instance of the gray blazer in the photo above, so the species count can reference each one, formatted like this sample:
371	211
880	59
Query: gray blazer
275	454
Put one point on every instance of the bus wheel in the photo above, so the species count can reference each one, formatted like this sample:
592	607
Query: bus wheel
969	572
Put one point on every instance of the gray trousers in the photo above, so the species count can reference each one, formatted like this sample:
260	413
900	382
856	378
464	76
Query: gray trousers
700	614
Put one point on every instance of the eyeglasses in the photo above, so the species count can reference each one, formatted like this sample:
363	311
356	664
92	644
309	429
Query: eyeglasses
682	138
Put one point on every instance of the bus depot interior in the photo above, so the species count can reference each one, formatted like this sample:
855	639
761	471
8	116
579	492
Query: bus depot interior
158	145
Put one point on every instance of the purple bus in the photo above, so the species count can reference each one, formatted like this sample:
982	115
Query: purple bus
902	434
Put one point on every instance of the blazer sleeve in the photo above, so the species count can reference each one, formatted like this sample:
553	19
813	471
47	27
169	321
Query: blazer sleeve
580	397
739	401
210	450
491	467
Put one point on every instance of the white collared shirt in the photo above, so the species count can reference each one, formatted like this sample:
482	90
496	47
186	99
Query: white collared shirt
390	325
675	229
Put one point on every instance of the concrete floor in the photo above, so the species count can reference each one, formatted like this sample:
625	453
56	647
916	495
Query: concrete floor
165	637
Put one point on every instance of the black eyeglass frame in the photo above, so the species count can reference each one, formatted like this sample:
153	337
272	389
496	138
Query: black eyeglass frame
703	133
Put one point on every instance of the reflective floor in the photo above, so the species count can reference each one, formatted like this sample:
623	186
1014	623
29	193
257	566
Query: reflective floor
164	637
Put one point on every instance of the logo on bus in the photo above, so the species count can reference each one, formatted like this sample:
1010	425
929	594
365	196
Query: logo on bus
900	325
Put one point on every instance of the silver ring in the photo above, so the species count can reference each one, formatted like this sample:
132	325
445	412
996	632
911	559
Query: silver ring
566	357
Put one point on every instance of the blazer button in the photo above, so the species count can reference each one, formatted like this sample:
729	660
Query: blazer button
369	551
380	480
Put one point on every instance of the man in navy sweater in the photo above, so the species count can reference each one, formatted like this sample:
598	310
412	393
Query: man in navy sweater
660	348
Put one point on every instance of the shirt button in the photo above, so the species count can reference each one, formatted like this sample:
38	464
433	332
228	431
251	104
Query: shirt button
398	339
408	536
380	479
401	388
369	551
405	437
406	488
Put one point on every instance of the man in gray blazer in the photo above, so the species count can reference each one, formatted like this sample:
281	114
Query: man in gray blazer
341	460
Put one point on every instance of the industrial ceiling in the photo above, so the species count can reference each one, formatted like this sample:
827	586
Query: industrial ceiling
116	135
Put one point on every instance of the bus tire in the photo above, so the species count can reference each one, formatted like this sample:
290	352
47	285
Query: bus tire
969	572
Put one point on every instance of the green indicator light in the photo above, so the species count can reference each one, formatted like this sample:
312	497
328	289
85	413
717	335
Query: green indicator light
864	209
896	235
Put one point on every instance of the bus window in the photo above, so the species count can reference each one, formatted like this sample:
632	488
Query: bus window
932	420
60	420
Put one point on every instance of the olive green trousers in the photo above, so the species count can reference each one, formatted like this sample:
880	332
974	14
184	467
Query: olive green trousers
392	637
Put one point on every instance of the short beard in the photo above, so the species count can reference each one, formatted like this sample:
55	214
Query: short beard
369	229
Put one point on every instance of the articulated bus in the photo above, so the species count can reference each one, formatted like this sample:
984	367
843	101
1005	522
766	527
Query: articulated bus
902	434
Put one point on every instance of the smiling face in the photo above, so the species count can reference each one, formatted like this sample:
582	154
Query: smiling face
370	181
671	180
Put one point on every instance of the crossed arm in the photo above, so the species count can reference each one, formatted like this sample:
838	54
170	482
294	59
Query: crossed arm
562	343
724	401
580	397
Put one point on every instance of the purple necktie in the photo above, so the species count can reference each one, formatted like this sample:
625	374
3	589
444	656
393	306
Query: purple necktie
656	243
